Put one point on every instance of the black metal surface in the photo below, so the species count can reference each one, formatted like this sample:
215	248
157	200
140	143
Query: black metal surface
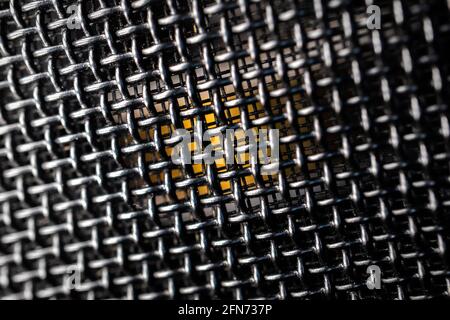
86	177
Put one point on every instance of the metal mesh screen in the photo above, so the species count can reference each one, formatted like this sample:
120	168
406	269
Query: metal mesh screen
86	122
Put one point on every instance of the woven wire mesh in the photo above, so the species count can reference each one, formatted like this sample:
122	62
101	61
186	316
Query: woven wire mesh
86	120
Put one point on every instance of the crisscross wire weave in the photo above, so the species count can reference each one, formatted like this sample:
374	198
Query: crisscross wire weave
87	181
